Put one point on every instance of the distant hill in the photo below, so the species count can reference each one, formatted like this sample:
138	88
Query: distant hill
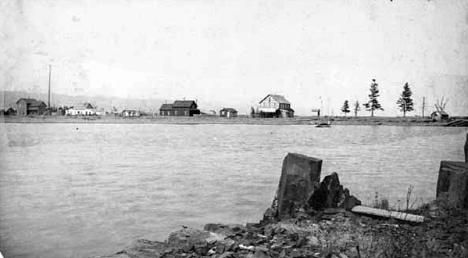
60	100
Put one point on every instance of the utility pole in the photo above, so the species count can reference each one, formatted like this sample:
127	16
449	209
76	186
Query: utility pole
423	106
50	71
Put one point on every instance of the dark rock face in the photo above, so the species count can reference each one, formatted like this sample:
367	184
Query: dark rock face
299	178
331	194
466	148
453	183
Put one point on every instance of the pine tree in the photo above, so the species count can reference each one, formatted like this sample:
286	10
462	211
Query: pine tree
373	103
356	108
405	102
345	108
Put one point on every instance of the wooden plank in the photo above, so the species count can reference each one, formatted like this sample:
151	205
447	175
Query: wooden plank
387	214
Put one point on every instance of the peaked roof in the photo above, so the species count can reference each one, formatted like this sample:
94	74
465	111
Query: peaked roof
184	103
228	109
32	102
166	107
278	98
37	103
85	105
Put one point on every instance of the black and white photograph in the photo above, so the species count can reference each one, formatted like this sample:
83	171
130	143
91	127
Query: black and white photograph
233	128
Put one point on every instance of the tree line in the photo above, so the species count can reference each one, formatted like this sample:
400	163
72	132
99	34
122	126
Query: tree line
404	102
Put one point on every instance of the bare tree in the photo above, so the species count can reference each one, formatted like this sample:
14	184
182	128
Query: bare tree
440	105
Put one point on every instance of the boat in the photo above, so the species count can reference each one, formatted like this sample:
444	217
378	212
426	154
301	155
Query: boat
324	124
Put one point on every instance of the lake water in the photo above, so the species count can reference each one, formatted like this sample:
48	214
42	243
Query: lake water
76	190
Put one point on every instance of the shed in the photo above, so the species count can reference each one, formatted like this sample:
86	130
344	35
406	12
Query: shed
439	115
228	112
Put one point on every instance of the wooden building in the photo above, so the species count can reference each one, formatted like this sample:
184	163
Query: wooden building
165	110
27	106
180	108
228	112
275	106
440	115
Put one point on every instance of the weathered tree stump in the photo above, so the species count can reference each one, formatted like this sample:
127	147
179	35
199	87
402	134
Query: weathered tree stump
453	182
300	177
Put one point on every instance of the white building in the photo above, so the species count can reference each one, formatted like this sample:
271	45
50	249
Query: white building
85	109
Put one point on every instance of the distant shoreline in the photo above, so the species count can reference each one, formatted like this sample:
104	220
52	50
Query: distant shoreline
300	120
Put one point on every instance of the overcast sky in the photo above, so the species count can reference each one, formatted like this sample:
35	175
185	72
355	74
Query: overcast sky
236	52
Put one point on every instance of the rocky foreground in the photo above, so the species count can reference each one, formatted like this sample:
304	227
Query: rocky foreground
309	218
331	233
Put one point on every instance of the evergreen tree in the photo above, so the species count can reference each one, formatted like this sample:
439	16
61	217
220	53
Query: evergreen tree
252	112
345	108
405	102
356	108
373	103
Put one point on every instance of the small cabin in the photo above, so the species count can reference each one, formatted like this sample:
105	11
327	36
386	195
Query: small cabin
439	116
228	112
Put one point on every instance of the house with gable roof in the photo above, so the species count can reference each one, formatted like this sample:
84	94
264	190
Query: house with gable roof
82	109
180	108
275	106
27	106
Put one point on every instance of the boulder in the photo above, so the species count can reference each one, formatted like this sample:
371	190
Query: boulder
300	177
331	194
145	249
453	183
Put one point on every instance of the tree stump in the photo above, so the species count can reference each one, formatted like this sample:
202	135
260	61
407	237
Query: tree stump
300	177
453	181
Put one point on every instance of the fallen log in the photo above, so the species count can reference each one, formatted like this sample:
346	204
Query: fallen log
387	214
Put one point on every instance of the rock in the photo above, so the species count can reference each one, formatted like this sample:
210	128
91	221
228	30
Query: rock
349	201
270	215
227	255
328	195
453	181
145	249
295	253
313	242
212	227
300	177
189	239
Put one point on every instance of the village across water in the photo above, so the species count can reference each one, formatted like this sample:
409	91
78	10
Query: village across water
76	190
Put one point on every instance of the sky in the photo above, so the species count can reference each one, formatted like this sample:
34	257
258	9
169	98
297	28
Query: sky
234	52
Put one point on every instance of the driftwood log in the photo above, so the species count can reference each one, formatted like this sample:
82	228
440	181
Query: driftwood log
387	214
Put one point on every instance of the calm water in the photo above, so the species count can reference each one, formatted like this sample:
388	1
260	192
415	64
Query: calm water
76	190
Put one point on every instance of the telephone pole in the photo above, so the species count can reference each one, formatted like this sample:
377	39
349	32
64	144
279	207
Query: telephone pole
423	106
50	71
